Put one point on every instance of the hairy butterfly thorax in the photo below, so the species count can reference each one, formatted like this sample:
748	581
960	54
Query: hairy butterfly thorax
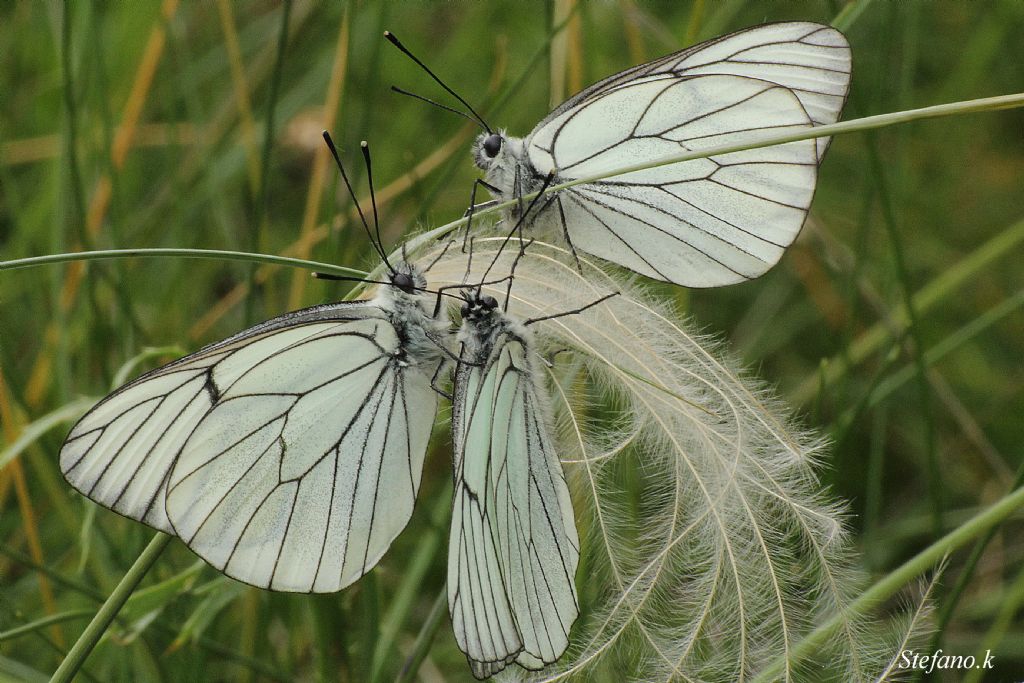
407	307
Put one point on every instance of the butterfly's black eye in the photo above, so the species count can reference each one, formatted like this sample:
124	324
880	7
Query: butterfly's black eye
492	145
464	310
404	282
489	302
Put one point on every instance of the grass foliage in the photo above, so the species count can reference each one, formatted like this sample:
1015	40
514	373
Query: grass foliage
130	125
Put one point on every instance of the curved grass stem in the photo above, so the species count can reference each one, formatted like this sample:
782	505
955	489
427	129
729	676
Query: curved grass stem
853	126
108	611
888	585
69	257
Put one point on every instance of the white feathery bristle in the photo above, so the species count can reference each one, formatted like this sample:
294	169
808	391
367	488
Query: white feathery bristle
733	551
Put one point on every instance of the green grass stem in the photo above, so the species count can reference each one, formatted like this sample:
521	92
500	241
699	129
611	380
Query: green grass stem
888	585
108	612
221	254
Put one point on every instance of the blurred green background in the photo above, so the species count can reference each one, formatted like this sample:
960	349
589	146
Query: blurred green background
195	125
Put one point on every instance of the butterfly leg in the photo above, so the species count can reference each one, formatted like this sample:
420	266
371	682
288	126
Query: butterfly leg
565	233
474	207
575	311
433	380
549	359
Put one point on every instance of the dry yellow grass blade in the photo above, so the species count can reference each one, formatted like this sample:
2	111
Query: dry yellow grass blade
454	144
321	158
13	422
241	88
100	202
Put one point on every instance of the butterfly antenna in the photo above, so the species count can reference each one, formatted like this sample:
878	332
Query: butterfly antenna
317	275
438	257
469	263
344	278
575	311
429	101
337	159
523	246
394	41
373	200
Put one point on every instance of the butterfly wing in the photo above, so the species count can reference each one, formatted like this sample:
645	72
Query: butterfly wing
266	452
307	467
705	222
514	549
811	60
120	453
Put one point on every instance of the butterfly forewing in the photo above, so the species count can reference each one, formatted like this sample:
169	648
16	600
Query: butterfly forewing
121	452
809	59
307	468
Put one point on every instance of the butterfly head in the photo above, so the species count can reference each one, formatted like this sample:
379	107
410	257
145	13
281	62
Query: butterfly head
408	278
478	308
500	157
489	148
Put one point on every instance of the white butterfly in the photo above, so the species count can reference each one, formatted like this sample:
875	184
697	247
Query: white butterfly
288	455
699	223
513	550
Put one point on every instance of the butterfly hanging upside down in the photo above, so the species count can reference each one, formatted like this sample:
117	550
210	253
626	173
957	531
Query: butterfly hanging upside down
699	223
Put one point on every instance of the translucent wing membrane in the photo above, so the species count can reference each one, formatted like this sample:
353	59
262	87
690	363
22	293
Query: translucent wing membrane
700	223
514	549
266	452
120	453
809	59
705	222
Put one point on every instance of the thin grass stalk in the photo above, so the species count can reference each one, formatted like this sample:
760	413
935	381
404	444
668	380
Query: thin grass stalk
263	199
913	330
40	624
384	196
411	586
1013	598
108	612
498	104
948	608
41	374
216	254
857	125
946	284
421	647
321	158
848	16
241	91
936	353
888	586
12	429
